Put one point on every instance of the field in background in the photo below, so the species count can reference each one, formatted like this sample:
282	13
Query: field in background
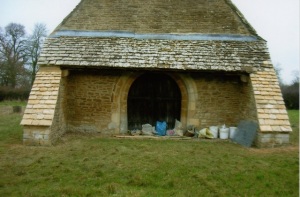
85	165
13	103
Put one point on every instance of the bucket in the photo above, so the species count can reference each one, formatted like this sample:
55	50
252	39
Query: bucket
224	133
214	131
232	132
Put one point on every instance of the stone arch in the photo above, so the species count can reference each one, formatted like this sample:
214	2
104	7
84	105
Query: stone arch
120	94
153	96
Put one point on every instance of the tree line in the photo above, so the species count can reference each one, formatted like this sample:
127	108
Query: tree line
19	54
290	92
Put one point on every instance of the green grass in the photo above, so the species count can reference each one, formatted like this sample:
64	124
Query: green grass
13	103
83	165
10	129
294	120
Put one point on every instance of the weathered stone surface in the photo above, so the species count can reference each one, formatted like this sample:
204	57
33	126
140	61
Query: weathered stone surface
273	139
219	99
223	99
40	108
157	16
36	135
272	114
144	54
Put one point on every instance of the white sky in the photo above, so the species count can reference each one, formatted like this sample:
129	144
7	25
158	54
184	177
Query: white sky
277	21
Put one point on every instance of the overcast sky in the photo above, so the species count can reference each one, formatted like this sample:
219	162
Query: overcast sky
277	21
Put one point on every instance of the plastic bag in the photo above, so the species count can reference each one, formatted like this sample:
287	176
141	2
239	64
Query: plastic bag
190	131
171	132
161	128
205	133
147	129
178	128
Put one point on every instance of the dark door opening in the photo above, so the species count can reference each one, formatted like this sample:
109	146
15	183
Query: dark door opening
153	97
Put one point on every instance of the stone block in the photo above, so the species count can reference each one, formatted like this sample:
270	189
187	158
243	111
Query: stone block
265	128
26	122
263	116
276	128
282	117
272	139
286	129
36	135
45	122
48	111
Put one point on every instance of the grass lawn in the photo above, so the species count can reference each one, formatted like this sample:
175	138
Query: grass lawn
13	103
94	166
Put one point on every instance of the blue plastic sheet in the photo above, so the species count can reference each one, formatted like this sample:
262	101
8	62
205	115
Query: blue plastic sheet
161	128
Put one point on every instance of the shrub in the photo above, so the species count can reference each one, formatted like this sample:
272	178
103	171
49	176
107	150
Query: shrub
291	95
13	94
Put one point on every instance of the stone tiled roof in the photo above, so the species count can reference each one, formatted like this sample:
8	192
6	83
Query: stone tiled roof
158	16
156	34
271	111
162	54
43	97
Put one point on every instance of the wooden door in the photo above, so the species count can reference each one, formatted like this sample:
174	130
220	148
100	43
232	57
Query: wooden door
153	97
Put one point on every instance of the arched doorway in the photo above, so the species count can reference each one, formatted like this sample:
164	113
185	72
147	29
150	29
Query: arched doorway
152	97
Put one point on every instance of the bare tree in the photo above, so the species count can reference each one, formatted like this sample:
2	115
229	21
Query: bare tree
278	70
296	77
12	54
34	43
291	92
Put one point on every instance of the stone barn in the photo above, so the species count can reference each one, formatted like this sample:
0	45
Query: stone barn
113	65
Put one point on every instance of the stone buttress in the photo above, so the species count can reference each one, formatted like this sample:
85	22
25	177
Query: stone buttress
42	108
273	120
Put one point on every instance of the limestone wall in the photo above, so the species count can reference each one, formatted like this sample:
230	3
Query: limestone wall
91	101
58	126
223	99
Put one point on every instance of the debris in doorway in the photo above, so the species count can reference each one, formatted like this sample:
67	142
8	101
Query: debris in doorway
147	129
161	128
178	128
171	132
135	132
205	133
190	131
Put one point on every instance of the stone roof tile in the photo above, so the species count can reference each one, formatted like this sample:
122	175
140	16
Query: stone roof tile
137	53
272	114
40	107
158	16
